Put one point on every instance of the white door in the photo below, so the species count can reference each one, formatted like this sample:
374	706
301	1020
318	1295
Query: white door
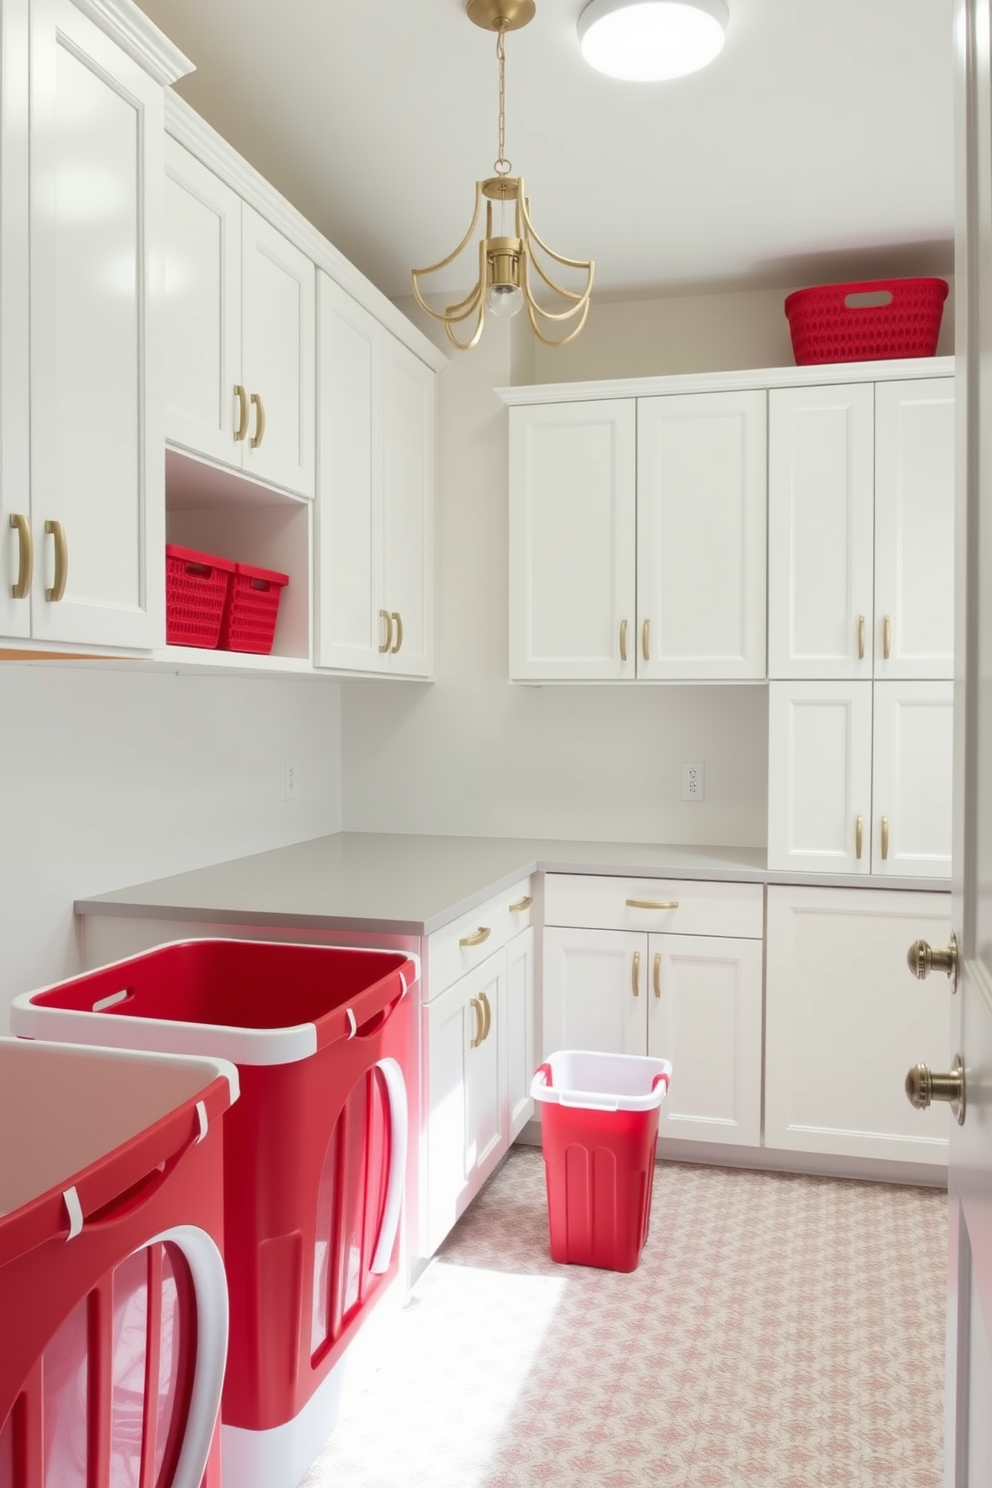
572	530
968	1430
820	477
705	1016
97	472
519	1031
819	776
701	502
15	469
911	779
202	305
594	991
277	347
407	532
914	529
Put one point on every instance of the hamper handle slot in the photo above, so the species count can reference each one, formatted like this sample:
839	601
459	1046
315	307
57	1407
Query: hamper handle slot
868	299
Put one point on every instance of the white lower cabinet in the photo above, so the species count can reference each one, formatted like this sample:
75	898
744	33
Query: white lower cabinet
845	1020
520	1061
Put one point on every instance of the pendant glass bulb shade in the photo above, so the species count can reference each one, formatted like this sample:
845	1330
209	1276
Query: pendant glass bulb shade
651	40
504	300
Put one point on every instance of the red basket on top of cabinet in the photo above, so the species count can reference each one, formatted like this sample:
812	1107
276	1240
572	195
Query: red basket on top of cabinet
872	320
253	596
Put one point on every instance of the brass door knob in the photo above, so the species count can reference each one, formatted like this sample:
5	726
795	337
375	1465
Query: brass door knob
923	1087
922	959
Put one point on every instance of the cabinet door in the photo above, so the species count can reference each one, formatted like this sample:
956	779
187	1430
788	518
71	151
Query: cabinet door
277	329
349	629
845	1020
819	776
202	300
594	991
701	500
820	477
705	1016
572	612
406	437
466	1104
97	132
911	782
15	462
520	1013
914	528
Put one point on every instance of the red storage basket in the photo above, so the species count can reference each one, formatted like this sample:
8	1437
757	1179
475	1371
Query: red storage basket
834	323
195	594
249	622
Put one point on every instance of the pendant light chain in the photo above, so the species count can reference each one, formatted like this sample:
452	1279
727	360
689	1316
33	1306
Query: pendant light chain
502	166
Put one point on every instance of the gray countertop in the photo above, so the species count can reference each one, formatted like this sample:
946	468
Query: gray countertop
413	885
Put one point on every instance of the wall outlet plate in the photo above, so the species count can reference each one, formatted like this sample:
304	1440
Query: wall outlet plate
290	778
693	781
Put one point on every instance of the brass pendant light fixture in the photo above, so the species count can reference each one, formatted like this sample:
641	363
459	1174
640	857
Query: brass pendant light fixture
510	266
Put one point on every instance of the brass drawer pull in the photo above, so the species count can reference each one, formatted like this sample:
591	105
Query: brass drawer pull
387	643
259	433
657	973
241	432
56	530
487	1009
886	638
861	637
623	640
646	640
483	933
859	836
652	903
635	974
480	1023
522	904
885	838
25	562
399	632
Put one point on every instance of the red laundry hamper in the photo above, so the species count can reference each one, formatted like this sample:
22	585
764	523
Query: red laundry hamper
599	1134
113	1303
314	1154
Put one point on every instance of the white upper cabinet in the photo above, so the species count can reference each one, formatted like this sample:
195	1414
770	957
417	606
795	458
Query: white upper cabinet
572	528
701	536
375	534
241	327
911	789
820	531
16	527
914	529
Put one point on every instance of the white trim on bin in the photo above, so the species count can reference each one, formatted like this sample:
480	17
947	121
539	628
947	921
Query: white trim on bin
213	1068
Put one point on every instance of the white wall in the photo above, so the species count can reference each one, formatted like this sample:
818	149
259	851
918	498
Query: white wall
109	777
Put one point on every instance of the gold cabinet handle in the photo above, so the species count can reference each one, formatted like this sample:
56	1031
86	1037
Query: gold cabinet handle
623	640
859	837
652	903
259	433
886	638
398	618
387	643
861	637
885	838
25	559
480	1023
657	973
56	530
646	640
487	1009
635	974
483	933
241	394
522	904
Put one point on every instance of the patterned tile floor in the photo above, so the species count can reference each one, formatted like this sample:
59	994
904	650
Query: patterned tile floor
780	1332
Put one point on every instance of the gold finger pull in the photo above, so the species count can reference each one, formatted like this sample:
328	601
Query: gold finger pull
56	530
487	1009
635	974
522	904
657	974
623	640
244	412
652	903
885	838
886	638
859	837
25	558
398	618
924	1086
646	640
387	643
259	433
861	637
480	1023
483	933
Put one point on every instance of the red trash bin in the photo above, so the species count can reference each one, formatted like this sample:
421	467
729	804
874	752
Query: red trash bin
314	1154
599	1134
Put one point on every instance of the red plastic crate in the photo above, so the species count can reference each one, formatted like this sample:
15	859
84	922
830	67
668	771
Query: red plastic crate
847	323
249	622
195	594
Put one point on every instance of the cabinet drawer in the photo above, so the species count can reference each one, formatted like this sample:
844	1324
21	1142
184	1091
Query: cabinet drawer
461	945
695	908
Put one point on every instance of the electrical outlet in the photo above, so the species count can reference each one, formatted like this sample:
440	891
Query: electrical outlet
693	781
290	780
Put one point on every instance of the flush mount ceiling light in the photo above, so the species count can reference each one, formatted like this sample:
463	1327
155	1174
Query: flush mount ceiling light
650	41
511	266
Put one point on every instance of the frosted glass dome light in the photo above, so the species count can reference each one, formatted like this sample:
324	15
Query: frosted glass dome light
647	41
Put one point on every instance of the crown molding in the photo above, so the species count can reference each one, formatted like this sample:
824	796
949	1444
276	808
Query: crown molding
187	127
124	23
